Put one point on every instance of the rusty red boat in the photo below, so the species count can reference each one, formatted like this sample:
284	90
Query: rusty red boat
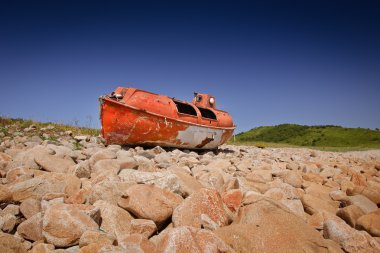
131	116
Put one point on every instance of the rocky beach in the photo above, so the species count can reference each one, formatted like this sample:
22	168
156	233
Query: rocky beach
62	192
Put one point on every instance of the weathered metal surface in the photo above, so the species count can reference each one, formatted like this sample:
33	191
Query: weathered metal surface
204	100
134	117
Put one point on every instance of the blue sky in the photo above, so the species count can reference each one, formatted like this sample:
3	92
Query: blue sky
267	62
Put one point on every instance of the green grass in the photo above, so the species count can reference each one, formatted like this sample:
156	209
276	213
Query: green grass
8	125
332	138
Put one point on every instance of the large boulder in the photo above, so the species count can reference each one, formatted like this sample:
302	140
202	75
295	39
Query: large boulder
94	247
144	163
20	174
150	202
109	190
102	155
62	151
137	243
291	177
115	221
164	159
188	184
10	244
5	157
218	164
319	191
164	180
127	163
260	176
288	196
370	223
361	201
189	239
30	207
42	248
212	179
142	226
5	193
112	166
108	249
313	177
283	191
27	158
350	214
313	204
8	222
89	237
54	163
82	169
233	199
358	179
267	226
31	229
10	209
371	190
63	224
45	183
348	238
204	208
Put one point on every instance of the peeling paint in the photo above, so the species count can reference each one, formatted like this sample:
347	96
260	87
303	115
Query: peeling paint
194	136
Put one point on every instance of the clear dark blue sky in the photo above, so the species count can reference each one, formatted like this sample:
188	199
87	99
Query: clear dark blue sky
267	62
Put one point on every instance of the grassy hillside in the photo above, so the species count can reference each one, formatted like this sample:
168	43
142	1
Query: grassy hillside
312	136
9	127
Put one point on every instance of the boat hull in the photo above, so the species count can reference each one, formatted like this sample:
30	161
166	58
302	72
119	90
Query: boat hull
127	125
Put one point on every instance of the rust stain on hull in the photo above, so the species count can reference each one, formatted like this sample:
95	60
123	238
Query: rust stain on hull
204	142
134	117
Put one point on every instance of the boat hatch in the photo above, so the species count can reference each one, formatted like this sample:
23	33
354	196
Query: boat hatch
206	113
185	108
